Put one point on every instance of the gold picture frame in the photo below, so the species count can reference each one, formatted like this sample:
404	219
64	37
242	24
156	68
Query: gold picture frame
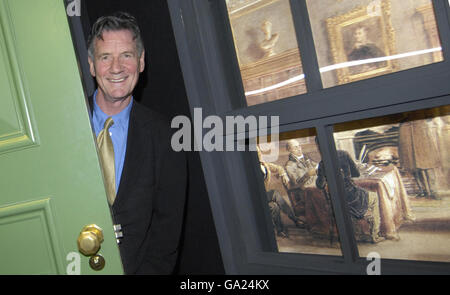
374	20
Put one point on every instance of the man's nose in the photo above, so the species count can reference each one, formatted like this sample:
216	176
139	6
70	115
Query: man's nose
116	66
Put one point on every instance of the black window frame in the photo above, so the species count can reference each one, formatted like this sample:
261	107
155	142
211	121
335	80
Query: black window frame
213	83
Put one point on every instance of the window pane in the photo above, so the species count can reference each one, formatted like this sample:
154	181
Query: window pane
404	167
360	39
267	49
302	216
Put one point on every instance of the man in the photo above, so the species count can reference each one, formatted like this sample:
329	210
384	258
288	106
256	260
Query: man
300	169
275	200
361	203
301	172
419	154
147	198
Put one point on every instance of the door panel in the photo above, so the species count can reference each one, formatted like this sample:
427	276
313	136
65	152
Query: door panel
15	123
26	224
51	184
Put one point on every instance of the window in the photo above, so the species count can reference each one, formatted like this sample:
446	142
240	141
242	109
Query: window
354	40
403	161
301	212
361	39
267	50
336	103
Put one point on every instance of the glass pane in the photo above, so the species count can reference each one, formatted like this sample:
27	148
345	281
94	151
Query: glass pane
404	183
302	215
360	39
267	49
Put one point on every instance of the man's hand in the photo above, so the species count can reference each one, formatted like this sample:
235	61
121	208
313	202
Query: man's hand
311	172
285	180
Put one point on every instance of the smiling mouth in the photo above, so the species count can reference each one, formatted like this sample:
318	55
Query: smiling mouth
117	80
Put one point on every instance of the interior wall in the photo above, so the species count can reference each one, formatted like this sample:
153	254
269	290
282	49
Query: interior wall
161	87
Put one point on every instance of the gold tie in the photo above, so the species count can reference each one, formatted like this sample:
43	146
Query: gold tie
106	149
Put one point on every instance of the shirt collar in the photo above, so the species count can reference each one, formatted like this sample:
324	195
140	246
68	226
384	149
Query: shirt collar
119	119
297	158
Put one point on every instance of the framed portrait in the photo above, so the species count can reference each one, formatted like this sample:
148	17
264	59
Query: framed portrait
361	41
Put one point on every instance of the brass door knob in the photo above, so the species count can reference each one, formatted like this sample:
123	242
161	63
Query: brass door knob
89	240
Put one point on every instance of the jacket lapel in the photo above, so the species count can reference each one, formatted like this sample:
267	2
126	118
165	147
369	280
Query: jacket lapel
139	147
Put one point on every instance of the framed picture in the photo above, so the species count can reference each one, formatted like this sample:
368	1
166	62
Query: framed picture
361	41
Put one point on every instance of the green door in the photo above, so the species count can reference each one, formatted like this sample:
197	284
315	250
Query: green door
51	184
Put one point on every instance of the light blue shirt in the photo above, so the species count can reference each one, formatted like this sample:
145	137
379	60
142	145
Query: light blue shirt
118	132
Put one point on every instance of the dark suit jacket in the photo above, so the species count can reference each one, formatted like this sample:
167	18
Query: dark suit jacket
150	200
357	198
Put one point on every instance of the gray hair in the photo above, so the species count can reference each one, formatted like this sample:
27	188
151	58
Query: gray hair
290	143
116	22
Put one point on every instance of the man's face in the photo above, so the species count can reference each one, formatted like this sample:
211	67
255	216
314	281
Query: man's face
360	35
116	65
295	148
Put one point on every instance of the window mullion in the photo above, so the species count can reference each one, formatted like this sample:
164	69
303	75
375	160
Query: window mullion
305	41
343	220
442	16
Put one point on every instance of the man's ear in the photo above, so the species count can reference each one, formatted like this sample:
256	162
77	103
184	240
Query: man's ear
142	62
91	66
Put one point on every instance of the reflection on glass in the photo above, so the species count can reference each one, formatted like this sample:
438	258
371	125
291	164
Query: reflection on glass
403	161
267	49
302	215
361	39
